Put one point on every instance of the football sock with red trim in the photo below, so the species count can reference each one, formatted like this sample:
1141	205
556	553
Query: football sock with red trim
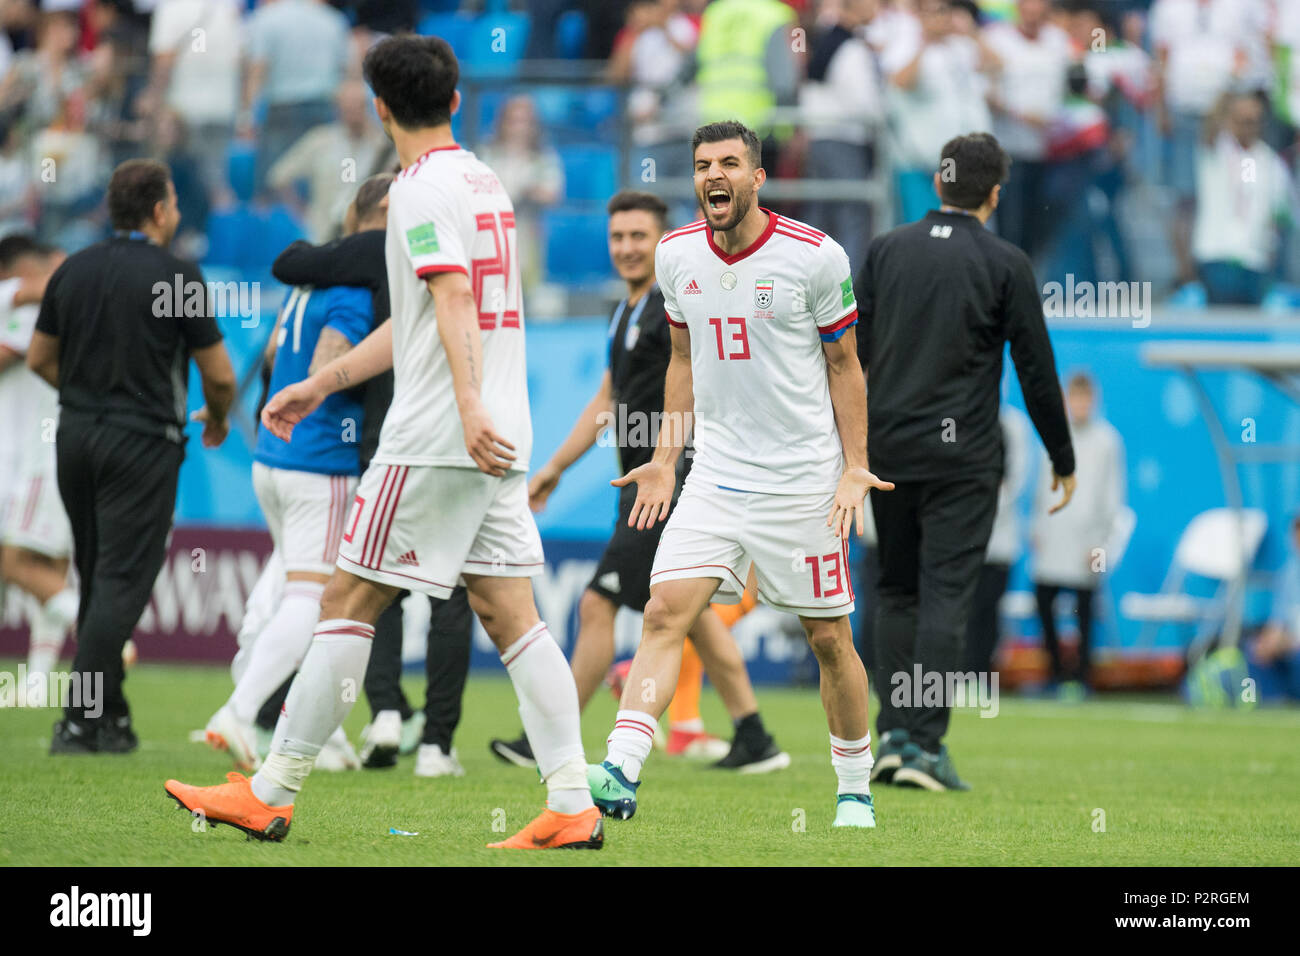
327	685
630	742
548	707
852	761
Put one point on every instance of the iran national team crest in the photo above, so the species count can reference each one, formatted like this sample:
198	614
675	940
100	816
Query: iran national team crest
763	293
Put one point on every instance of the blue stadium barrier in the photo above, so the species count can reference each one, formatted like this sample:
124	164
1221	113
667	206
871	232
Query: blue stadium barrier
576	247
590	172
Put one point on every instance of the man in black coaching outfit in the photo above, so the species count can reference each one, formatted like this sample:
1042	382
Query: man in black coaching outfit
938	301
118	325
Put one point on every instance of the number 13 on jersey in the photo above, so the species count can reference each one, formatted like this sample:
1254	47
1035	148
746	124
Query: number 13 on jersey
737	343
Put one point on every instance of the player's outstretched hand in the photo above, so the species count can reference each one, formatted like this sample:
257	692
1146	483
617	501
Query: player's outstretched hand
1066	485
214	432
540	487
492	453
287	407
849	508
655	484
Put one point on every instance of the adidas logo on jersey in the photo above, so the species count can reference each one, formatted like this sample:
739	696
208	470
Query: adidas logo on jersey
941	232
409	558
693	289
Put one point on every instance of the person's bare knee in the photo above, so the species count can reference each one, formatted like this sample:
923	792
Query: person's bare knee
348	597
504	606
830	639
595	610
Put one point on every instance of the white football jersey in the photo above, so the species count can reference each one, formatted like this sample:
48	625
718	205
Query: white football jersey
757	319
29	406
447	212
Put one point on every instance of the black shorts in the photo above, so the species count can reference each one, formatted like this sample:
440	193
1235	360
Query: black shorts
623	575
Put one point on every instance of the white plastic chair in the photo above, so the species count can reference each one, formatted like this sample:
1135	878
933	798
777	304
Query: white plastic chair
1219	544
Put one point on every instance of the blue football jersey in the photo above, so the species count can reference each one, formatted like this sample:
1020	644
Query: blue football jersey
328	440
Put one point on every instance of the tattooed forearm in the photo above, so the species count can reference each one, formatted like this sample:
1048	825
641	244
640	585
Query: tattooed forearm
329	346
342	378
469	358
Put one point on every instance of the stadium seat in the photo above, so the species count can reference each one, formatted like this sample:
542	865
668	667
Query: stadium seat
1218	545
576	247
590	172
229	235
495	44
452	27
250	238
241	168
277	228
571	35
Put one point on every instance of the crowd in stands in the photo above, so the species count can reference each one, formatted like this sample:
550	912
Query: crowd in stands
1119	114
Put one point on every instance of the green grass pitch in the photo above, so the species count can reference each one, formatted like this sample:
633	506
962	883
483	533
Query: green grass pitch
1171	787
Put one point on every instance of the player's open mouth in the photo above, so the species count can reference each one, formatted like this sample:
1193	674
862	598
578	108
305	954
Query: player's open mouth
719	200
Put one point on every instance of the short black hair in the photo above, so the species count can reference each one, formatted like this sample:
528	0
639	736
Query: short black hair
370	193
970	166
730	129
135	187
628	200
14	247
415	76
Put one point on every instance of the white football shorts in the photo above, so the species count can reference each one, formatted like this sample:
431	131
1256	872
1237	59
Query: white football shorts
305	513
422	527
33	517
800	564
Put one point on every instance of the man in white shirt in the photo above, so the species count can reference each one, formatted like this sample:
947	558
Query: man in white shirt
35	537
445	498
297	56
1203	48
323	157
1006	541
765	370
194	69
843	105
1031	87
1244	193
937	69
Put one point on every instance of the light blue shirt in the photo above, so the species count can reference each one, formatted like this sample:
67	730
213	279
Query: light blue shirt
304	45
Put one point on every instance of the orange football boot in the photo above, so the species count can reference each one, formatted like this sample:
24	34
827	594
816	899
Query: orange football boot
235	805
559	831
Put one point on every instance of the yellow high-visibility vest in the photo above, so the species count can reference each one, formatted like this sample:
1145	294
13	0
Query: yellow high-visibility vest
732	72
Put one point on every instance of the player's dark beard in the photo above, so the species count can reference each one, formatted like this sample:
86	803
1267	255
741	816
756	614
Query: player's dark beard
739	210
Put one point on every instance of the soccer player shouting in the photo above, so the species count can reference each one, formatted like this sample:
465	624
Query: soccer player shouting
764	355
446	496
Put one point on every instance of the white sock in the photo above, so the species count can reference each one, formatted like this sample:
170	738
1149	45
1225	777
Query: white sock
279	648
47	636
548	707
630	742
852	761
327	685
693	726
61	610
